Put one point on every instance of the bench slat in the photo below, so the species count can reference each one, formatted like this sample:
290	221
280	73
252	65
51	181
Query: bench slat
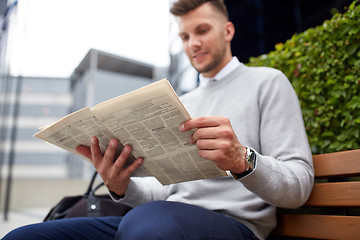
338	164
343	195
339	194
319	226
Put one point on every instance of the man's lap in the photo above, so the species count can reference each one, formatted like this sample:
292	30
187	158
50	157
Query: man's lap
153	220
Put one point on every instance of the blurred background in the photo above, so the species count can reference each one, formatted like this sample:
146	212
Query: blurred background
61	55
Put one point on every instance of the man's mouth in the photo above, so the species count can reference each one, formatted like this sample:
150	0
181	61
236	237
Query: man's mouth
199	56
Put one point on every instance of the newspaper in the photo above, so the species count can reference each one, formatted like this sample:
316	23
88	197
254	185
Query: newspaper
148	119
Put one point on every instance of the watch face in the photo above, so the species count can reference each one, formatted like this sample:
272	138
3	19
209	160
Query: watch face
252	158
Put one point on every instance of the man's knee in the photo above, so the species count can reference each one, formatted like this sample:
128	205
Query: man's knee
153	220
29	232
174	220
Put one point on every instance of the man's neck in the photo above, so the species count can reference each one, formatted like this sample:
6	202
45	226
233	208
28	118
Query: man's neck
229	67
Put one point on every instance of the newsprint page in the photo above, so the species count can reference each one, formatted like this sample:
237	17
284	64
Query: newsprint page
148	119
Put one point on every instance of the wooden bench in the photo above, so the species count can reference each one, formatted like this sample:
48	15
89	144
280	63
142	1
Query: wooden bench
333	209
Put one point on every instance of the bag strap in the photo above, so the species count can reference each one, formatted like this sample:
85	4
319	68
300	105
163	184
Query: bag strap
91	184
97	187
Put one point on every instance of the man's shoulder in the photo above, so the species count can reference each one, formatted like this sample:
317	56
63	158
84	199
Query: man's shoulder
191	93
263	70
257	75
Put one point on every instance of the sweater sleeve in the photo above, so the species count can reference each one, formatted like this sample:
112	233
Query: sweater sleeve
142	190
284	173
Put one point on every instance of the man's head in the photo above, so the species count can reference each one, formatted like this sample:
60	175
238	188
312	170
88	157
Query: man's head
206	33
182	7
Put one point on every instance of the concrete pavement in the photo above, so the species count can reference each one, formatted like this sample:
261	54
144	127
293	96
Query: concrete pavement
20	217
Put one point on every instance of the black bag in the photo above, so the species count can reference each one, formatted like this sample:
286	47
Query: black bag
87	205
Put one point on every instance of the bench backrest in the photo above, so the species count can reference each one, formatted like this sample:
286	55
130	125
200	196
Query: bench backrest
333	209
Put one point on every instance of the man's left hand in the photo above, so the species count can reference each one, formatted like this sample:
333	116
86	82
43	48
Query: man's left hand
217	141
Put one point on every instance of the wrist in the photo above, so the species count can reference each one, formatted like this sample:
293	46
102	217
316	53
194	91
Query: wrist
250	164
117	196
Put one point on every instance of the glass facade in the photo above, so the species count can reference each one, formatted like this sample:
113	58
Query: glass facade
39	101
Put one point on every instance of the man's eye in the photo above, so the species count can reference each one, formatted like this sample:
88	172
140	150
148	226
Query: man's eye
184	38
204	30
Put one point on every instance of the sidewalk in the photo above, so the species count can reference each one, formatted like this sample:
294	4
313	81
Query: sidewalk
21	217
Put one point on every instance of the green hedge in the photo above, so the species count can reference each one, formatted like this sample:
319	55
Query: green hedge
323	64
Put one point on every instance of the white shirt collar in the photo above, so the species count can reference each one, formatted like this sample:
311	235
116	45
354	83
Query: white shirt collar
234	63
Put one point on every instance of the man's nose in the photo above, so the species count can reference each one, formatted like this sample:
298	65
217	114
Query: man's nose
194	43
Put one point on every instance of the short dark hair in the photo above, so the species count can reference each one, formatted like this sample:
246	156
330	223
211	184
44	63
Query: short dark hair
182	7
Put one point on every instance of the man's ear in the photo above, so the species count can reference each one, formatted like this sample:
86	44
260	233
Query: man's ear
230	31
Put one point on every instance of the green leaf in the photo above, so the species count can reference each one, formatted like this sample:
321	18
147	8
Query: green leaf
323	64
327	134
354	102
352	49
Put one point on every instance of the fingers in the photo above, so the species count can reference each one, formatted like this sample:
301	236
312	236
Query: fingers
209	128
96	154
101	161
131	169
107	160
201	122
120	161
84	150
211	144
215	149
214	155
109	155
205	133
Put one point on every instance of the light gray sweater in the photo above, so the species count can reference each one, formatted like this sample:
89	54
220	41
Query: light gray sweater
264	112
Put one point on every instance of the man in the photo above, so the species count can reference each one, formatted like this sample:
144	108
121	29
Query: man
246	120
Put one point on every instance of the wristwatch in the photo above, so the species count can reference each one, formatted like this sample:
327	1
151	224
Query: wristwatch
251	158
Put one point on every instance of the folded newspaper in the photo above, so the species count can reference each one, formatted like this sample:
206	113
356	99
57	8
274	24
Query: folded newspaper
148	119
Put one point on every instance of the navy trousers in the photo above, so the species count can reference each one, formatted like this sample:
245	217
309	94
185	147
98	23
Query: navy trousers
153	220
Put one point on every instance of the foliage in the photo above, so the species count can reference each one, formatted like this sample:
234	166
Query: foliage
323	65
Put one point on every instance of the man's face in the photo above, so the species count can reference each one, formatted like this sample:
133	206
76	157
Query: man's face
206	40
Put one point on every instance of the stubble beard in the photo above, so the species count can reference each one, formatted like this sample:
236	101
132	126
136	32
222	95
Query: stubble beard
216	60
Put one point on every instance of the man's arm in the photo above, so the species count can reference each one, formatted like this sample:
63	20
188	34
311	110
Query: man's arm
280	183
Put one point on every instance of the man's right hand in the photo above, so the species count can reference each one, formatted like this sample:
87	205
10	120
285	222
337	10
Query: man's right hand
115	177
